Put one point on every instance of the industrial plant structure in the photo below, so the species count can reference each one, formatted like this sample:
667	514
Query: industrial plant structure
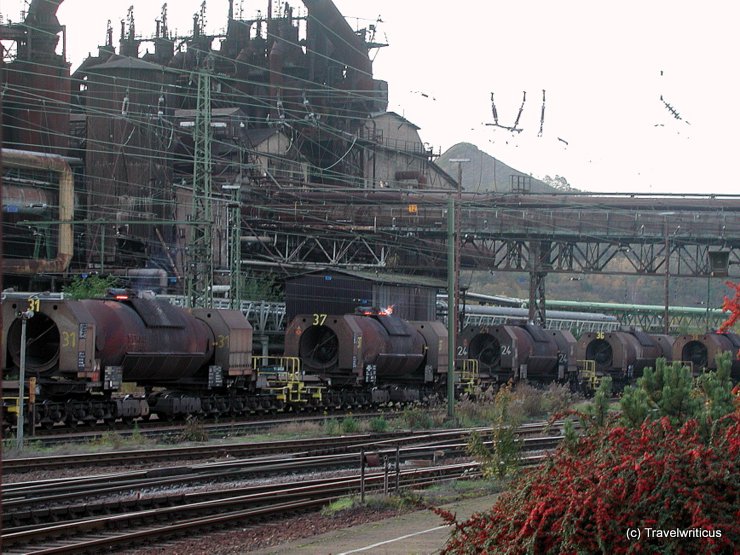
145	160
189	164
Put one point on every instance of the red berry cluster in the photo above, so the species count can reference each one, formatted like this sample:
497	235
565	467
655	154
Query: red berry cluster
733	307
587	497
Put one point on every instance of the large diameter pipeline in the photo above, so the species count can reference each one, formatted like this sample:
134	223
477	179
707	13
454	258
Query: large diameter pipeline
34	160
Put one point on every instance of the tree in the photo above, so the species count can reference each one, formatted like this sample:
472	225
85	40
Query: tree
262	288
89	287
503	455
665	391
558	183
598	411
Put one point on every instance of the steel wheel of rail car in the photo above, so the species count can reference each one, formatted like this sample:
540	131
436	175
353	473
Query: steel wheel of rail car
42	343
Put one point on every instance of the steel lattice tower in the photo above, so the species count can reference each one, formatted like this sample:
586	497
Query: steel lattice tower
200	251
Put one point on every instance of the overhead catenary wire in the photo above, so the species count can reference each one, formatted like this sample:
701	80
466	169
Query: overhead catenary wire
337	132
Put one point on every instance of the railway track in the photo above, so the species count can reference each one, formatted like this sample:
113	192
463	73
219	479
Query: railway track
31	501
83	529
159	429
96	534
296	447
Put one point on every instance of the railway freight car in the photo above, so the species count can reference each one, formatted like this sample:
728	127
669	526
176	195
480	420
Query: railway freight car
80	354
620	354
370	356
519	351
699	351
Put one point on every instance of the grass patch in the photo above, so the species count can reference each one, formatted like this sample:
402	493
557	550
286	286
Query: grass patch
340	505
350	425
421	418
377	502
297	428
347	425
194	431
111	441
107	441
454	490
440	494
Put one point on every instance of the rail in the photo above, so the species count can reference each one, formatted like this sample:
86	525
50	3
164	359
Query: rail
178	511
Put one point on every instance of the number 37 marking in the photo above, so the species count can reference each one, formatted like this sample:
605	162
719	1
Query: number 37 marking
319	319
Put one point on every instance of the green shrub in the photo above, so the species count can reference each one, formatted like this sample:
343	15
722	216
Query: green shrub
378	425
89	287
350	425
670	391
598	410
502	456
418	418
332	427
193	430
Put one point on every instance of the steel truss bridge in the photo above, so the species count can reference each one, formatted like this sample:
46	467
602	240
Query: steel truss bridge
670	236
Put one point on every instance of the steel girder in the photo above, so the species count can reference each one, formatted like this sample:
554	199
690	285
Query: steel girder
411	249
594	256
293	250
629	236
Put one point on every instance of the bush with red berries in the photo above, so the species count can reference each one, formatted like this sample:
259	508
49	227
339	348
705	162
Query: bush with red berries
732	306
663	476
591	497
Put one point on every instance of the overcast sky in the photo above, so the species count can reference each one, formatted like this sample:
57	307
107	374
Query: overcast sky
603	64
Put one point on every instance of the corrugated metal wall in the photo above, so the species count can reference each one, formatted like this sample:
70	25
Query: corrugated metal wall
335	293
325	293
409	302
